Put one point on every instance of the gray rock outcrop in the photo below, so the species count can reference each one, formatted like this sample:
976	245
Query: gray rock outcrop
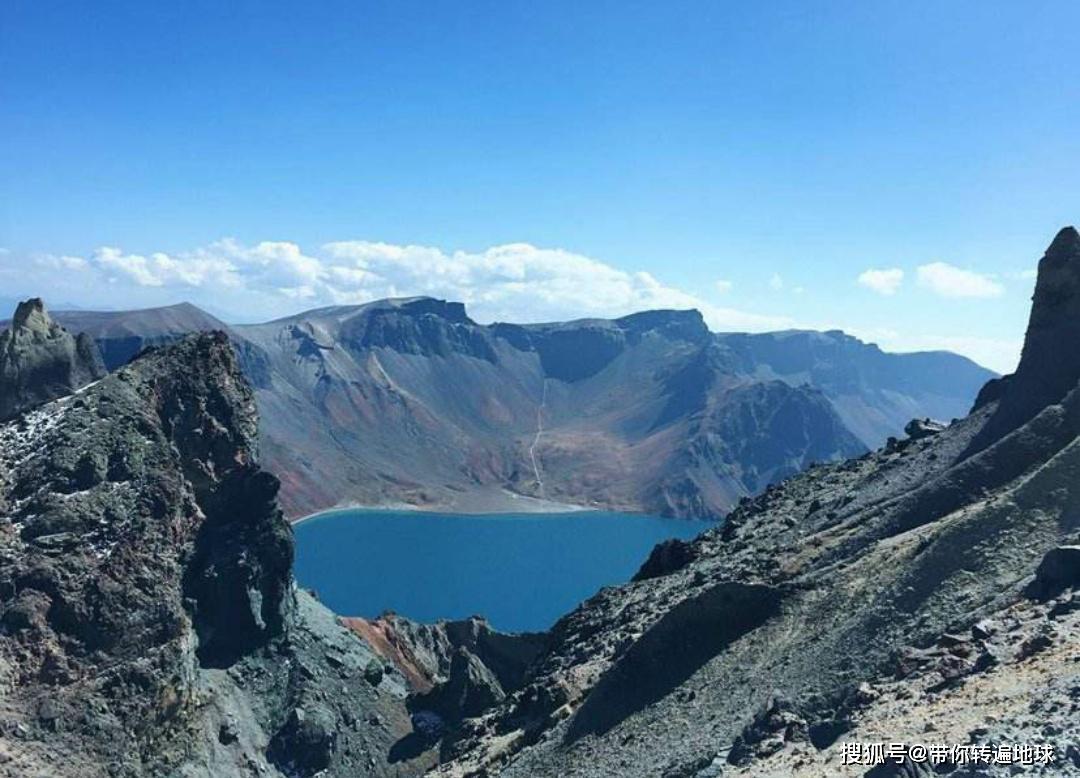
40	360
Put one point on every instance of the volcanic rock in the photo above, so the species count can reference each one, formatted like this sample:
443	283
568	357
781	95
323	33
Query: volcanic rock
40	360
146	588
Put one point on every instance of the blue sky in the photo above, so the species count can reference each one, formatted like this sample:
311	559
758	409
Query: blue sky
545	160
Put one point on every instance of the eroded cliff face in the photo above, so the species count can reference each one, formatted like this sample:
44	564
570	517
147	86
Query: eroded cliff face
40	360
926	592
1047	371
412	401
149	622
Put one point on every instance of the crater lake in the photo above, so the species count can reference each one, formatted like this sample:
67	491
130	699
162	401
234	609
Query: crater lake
520	571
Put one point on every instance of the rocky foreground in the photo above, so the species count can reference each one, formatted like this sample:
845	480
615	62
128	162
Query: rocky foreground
149	622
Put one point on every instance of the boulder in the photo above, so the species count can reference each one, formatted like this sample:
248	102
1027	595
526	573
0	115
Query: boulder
666	558
306	741
1059	569
916	429
470	689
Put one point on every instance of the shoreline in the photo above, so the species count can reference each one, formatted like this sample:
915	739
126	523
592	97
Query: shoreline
514	504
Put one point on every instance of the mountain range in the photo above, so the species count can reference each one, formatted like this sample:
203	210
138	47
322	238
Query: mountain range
411	402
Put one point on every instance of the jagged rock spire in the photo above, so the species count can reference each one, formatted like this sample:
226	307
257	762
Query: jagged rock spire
30	315
1050	364
1050	361
40	360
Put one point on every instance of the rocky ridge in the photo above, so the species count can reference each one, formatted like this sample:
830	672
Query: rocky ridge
149	622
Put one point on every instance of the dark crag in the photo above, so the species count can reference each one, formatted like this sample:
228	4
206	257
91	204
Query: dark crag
149	624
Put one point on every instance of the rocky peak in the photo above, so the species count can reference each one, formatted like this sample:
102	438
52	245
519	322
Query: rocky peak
30	315
1045	365
451	311
40	360
678	325
1049	367
421	325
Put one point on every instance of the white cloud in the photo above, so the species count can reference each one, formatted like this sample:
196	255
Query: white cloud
885	281
136	267
949	281
55	262
510	282
299	292
280	260
517	282
353	276
160	269
266	266
723	286
776	282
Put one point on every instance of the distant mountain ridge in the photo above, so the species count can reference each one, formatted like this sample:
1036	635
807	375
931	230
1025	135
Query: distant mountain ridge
121	335
409	401
875	392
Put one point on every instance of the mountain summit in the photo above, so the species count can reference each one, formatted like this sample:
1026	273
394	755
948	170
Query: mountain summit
1049	365
40	360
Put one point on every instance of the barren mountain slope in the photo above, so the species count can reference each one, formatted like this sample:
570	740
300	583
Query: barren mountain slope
760	633
410	401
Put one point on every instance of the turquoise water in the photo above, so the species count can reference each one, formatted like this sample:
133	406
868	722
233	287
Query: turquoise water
521	571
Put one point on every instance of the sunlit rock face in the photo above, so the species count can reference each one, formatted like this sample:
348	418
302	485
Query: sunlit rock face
40	360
